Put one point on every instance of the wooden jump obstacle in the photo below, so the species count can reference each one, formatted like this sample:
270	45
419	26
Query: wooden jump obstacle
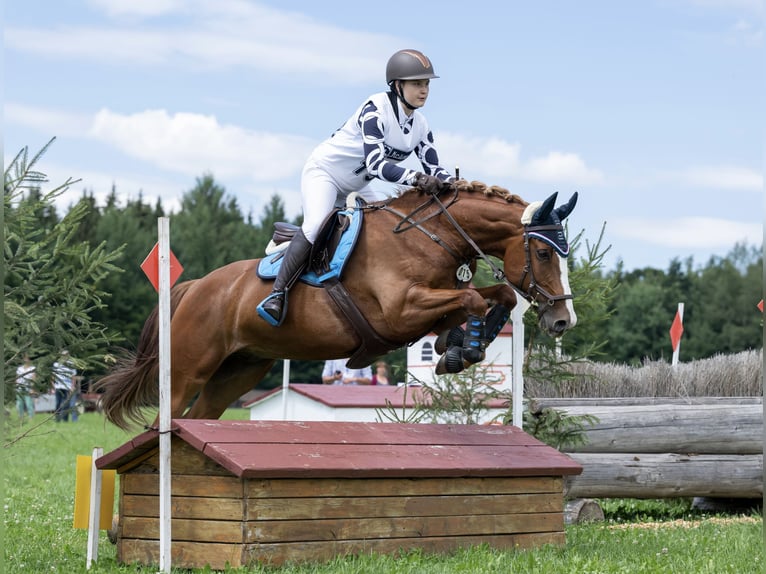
246	492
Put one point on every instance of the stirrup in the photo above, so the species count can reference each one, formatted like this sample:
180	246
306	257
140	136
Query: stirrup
268	317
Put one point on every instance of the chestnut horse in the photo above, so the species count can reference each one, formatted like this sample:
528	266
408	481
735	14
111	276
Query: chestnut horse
408	275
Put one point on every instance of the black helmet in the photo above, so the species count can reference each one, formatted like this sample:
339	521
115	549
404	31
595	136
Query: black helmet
409	65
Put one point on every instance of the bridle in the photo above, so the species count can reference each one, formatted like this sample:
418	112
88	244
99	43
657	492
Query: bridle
535	295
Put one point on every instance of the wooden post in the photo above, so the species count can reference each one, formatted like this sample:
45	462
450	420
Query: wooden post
285	386
94	512
164	366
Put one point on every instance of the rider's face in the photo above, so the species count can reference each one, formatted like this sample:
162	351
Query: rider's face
416	91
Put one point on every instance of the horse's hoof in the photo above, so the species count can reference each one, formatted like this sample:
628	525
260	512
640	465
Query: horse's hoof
451	362
450	338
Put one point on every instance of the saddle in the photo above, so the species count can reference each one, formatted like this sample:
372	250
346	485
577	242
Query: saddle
335	243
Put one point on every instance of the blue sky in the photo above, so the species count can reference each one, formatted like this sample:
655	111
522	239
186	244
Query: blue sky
651	109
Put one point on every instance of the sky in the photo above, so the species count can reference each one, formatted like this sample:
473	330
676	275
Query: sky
651	110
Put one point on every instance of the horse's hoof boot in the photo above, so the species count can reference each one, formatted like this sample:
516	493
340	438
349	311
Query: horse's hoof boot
447	339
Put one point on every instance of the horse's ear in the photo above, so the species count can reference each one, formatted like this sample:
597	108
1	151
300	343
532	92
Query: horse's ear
564	210
545	210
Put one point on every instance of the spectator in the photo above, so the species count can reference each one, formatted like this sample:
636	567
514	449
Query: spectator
335	372
381	376
64	381
25	388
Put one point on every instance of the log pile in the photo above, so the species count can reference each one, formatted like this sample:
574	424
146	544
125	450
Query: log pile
658	448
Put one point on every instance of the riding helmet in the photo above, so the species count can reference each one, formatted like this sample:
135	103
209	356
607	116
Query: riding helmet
409	65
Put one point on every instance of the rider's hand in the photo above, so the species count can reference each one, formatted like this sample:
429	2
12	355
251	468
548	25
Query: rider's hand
430	183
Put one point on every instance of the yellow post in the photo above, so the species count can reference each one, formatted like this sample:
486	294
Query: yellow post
82	494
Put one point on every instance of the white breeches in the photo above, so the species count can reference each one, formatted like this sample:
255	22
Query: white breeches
320	195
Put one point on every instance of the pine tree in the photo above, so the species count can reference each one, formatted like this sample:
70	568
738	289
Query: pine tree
52	282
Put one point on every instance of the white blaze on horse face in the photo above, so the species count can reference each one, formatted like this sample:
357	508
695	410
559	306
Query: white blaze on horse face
564	269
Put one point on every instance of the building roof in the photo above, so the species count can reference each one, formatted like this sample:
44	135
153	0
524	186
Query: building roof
360	396
291	449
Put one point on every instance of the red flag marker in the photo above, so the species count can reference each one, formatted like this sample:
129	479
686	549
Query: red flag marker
760	305
676	330
151	267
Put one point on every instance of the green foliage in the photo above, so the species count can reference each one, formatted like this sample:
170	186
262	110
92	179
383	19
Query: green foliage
556	428
53	281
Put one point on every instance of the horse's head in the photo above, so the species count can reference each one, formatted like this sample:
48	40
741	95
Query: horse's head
544	279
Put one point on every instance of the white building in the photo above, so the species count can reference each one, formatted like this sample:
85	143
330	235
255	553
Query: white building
349	403
422	359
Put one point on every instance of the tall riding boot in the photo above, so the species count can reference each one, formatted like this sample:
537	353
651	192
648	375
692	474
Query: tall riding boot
274	307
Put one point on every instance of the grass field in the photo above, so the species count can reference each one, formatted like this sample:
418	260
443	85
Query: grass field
39	479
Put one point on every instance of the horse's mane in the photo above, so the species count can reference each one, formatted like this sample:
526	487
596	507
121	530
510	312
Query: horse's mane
477	187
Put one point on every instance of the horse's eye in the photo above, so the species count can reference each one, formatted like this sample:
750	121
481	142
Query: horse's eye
543	255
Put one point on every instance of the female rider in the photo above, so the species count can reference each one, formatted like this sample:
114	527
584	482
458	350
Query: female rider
380	134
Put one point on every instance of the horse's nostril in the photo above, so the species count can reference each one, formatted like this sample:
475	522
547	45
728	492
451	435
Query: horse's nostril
560	326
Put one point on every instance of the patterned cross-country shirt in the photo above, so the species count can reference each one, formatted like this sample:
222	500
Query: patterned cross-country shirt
372	143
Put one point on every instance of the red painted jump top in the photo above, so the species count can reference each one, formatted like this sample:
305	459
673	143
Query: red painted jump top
291	449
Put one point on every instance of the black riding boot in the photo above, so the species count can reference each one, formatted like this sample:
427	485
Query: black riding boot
273	308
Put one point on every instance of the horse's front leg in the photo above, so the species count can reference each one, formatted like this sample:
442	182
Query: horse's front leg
464	347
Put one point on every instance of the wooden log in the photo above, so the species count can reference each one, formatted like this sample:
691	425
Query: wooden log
638	475
582	510
538	404
704	429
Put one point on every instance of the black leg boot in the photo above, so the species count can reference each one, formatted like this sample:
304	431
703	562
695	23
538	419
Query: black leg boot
274	307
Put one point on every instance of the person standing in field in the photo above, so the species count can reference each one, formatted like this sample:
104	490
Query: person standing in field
25	388
64	381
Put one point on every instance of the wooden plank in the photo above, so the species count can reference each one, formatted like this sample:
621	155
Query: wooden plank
221	531
278	554
401	527
376	461
185	507
378	506
637	475
200	433
704	429
183	485
330	487
183	554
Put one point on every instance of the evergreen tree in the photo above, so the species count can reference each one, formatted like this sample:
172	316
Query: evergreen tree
53	283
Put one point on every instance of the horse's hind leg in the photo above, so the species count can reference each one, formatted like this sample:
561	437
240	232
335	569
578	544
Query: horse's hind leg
236	376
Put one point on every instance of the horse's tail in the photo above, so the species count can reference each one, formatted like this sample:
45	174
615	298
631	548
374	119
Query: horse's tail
133	382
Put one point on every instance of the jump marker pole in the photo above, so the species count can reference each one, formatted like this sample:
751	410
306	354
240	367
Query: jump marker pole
517	361
163	230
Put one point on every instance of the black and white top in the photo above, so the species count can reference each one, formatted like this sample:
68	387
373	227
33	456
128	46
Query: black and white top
373	141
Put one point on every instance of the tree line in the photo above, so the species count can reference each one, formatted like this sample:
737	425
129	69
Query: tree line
623	316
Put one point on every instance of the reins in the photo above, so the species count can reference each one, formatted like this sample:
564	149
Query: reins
533	292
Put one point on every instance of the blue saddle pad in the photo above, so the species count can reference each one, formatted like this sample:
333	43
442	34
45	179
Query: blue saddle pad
269	265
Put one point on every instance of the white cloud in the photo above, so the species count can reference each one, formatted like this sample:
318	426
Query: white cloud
216	35
46	120
687	232
729	177
191	143
496	158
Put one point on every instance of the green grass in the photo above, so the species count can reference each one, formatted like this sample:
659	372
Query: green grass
39	479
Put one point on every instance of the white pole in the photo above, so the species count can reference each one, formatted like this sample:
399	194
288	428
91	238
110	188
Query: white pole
677	350
517	358
94	511
164	365
285	386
